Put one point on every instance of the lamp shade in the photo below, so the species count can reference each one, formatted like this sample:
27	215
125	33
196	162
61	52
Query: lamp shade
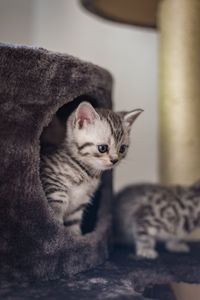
134	12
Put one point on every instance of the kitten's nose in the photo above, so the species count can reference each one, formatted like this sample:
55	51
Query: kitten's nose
114	161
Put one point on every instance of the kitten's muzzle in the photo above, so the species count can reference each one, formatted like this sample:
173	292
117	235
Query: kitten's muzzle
113	161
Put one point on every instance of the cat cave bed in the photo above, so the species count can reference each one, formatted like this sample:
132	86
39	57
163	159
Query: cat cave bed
37	85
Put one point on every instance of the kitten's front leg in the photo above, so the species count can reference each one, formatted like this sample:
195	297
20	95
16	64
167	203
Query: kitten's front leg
73	228
145	247
59	201
144	244
177	246
72	220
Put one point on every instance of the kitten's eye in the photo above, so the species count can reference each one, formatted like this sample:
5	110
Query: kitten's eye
122	148
102	148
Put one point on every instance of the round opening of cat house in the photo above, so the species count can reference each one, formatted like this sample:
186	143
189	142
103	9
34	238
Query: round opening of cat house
52	138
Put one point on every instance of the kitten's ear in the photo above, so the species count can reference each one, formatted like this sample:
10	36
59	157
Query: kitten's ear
130	117
85	114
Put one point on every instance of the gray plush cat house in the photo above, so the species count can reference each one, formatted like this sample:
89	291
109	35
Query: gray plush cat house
35	85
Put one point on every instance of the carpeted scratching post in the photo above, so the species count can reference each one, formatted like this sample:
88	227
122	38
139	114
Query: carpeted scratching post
34	85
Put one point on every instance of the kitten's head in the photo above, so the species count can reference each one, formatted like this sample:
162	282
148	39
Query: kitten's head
99	137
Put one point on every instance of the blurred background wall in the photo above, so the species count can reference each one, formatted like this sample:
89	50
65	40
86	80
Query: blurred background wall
130	54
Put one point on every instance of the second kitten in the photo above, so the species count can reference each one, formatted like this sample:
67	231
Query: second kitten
147	213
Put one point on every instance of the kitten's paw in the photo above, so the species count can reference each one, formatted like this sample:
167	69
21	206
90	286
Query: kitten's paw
147	253
177	246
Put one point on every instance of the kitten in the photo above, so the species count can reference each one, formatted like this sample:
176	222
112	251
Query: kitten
148	213
95	141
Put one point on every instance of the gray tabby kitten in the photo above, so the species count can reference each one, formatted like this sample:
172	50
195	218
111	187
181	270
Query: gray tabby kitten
95	141
148	213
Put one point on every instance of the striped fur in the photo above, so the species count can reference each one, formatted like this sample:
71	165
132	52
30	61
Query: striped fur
145	214
71	174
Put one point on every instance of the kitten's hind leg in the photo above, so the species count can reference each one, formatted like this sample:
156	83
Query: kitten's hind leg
177	246
145	246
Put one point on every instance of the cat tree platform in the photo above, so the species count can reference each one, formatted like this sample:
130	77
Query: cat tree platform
121	277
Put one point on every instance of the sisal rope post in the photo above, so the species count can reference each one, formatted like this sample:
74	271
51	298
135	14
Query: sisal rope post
179	22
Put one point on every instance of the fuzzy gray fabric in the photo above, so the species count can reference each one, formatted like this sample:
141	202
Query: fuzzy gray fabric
121	277
35	83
